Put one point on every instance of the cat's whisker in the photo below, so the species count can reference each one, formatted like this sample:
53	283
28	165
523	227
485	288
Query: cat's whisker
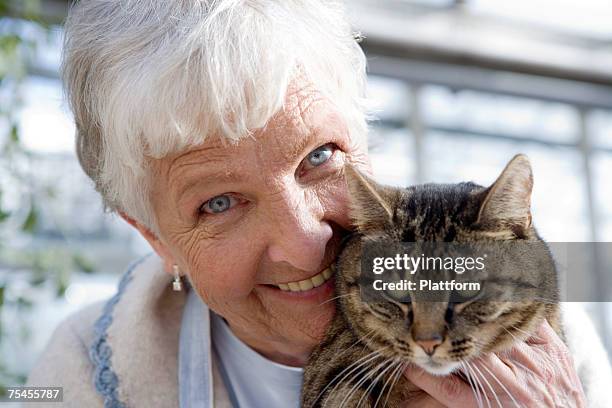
358	371
393	376
398	375
337	297
479	387
510	333
365	377
361	369
527	334
502	386
370	333
472	385
365	374
389	381
376	380
374	377
367	341
355	366
522	331
488	384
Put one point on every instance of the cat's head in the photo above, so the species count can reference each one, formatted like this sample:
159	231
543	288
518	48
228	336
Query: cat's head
439	335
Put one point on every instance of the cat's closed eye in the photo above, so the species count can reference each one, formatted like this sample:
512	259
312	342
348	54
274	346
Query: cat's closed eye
464	296
384	310
401	296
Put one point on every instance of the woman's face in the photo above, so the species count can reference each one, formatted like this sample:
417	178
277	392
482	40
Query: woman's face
242	219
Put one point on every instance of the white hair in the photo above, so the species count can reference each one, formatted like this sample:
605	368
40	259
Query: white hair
148	78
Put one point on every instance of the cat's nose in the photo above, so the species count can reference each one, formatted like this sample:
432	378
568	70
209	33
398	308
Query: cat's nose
429	344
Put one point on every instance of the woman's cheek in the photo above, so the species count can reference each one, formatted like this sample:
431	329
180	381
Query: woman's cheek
334	196
226	274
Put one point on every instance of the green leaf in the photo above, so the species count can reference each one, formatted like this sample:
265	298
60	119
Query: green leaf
4	215
60	290
9	43
29	225
14	134
62	280
83	263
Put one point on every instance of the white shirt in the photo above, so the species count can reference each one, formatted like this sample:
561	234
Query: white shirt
253	380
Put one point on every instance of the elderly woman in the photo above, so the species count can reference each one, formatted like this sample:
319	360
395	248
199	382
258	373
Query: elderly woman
219	130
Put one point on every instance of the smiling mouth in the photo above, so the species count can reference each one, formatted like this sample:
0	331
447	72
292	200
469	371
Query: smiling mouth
307	284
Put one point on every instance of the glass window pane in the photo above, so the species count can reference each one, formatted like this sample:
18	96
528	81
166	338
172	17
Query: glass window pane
602	170
388	99
600	126
46	125
392	156
586	17
497	114
559	202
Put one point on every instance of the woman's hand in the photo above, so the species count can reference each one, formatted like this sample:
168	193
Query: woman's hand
535	373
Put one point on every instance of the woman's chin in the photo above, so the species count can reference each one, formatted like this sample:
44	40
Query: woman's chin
305	313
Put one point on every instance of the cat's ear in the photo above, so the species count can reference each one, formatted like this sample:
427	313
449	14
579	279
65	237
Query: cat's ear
507	204
371	204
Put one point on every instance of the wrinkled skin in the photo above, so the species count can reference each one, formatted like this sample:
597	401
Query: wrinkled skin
286	223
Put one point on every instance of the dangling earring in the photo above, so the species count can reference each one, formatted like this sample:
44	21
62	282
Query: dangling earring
177	285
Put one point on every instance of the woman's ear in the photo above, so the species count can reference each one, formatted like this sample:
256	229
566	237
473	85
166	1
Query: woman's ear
158	246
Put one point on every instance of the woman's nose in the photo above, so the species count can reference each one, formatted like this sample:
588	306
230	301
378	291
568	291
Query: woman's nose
298	233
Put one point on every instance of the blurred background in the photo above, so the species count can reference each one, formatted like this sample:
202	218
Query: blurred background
458	87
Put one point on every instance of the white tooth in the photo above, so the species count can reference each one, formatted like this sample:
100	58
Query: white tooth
318	280
294	287
327	273
306	284
283	286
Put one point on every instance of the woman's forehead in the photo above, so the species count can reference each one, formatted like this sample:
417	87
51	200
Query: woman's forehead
306	121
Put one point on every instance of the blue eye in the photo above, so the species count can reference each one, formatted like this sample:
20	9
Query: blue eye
218	204
320	155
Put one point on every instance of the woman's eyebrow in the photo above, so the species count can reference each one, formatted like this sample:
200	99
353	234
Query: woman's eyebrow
204	178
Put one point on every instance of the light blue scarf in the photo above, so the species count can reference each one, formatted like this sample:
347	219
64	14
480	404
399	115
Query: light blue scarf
195	355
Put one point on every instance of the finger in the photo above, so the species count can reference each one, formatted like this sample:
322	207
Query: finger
545	335
546	357
559	352
514	390
448	390
546	366
526	358
502	379
541	336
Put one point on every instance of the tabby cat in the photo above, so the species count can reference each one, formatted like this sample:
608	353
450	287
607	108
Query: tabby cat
361	359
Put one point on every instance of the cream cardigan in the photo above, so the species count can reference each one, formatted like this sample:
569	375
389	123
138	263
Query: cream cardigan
124	352
126	348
